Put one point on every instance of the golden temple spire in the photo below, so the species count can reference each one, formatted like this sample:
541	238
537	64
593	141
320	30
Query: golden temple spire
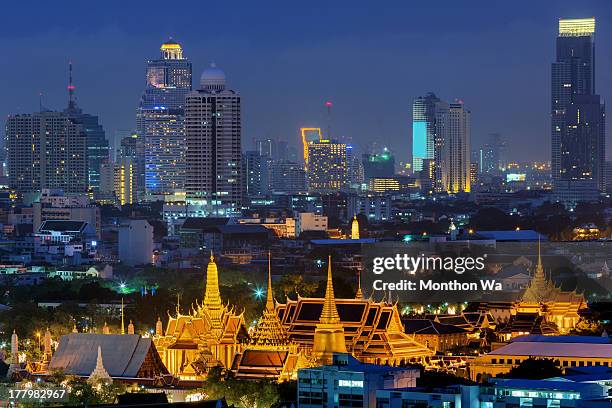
355	228
212	297
270	295
330	311
329	332
269	331
359	294
122	318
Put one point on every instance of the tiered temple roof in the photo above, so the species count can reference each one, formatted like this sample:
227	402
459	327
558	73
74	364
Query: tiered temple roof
209	335
373	331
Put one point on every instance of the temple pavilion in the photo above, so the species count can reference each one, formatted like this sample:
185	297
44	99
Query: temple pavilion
208	336
372	331
543	309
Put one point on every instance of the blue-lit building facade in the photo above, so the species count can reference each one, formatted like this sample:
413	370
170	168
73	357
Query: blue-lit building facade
160	119
429	122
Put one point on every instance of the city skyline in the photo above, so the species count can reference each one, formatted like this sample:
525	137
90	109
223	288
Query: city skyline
343	82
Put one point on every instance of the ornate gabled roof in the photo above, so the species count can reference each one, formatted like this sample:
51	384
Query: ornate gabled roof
542	290
269	331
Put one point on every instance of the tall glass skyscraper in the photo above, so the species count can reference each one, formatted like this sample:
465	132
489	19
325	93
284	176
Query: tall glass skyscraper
97	145
160	120
577	114
429	122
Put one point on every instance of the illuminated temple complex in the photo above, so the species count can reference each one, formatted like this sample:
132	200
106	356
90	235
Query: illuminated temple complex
299	333
543	309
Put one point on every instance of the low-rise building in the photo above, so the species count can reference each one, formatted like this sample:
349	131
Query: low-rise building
349	383
568	351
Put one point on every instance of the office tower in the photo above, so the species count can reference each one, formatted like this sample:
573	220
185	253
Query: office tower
425	128
492	155
125	180
97	145
160	121
577	114
456	151
327	166
168	79
309	135
164	131
213	133
253	174
288	177
131	157
608	177
355	164
429	121
46	150
378	165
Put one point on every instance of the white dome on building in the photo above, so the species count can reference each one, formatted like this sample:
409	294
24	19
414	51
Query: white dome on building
212	78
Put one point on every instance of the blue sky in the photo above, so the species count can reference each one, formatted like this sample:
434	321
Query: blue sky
287	58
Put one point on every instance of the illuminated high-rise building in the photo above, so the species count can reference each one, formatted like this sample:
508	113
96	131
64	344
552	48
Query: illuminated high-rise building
288	177
577	113
46	150
456	152
309	135
125	180
164	131
328	166
213	157
429	121
97	145
160	122
168	79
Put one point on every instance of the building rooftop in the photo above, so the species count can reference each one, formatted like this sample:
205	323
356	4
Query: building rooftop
426	326
513	235
566	346
63	225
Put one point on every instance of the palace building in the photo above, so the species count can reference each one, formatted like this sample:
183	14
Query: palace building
269	354
544	308
373	331
210	335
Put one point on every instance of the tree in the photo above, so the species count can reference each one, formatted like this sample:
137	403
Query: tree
535	369
243	394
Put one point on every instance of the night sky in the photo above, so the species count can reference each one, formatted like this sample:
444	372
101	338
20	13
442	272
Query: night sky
287	58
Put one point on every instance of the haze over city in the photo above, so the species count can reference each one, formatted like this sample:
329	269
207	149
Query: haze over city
288	59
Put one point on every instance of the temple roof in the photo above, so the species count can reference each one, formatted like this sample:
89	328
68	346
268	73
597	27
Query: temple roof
269	331
124	355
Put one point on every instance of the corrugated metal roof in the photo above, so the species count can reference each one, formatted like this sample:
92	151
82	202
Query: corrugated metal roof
122	354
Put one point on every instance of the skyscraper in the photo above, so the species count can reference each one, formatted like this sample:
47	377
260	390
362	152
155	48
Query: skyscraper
160	121
328	166
491	156
577	114
253	174
309	135
429	120
97	145
46	150
213	156
456	150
